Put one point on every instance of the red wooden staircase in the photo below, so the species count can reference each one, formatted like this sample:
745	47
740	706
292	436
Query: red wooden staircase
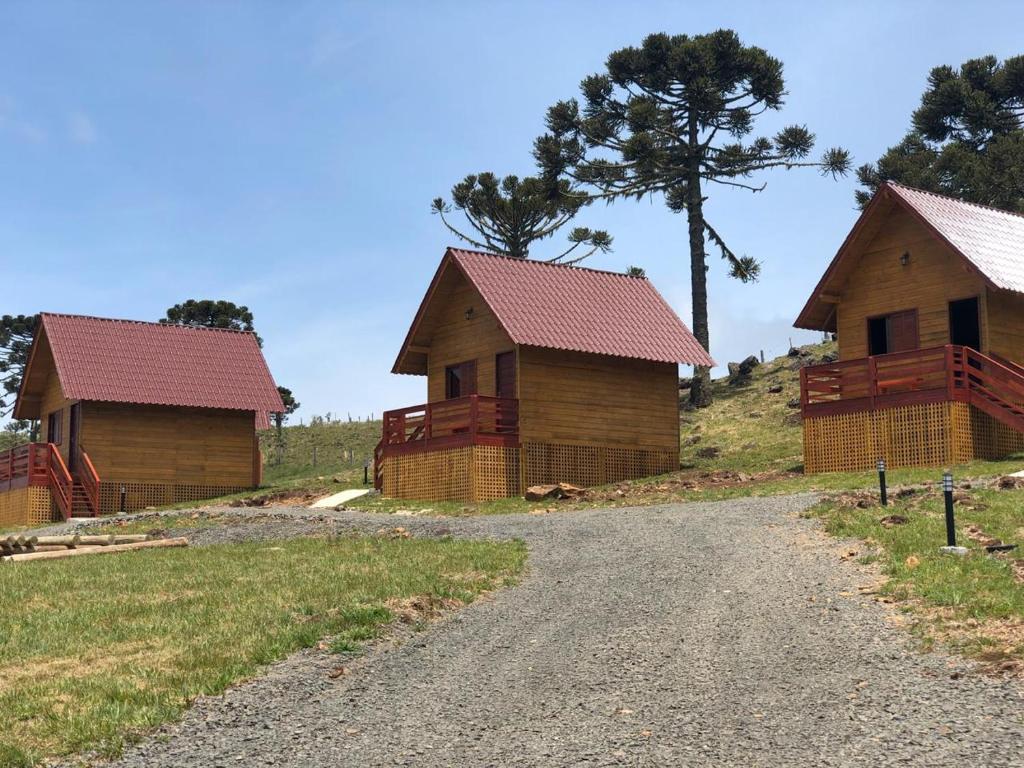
992	385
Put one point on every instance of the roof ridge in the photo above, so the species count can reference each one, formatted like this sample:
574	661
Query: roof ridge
952	199
506	257
145	322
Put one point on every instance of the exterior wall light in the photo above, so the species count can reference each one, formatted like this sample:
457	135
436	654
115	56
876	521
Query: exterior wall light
904	258
469	313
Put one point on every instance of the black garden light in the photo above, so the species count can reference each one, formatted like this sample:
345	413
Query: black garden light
947	491
881	483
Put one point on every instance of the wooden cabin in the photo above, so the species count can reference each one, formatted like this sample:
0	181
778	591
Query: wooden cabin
133	415
536	373
926	298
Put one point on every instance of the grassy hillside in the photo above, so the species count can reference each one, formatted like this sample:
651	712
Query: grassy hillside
751	426
340	447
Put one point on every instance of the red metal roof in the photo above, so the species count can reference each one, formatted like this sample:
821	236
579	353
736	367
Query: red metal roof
573	308
127	361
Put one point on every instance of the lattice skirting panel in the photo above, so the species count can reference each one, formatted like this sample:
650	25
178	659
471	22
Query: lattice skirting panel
141	495
470	473
590	465
928	435
27	506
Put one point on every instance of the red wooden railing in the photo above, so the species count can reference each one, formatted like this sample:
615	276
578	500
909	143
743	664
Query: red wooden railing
89	480
472	420
928	375
61	483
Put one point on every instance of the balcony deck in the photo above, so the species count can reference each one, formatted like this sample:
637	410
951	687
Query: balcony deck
932	375
471	420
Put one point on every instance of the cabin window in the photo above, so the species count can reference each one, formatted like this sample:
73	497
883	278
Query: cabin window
460	379
895	332
53	425
964	326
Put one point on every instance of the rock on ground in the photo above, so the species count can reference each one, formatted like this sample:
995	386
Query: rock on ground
706	634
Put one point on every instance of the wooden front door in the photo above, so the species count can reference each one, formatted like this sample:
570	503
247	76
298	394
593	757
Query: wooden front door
505	387
903	331
75	423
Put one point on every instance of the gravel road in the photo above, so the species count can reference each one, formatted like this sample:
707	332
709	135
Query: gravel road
710	634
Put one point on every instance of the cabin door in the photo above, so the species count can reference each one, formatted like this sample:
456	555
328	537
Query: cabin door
505	388
505	375
964	326
74	426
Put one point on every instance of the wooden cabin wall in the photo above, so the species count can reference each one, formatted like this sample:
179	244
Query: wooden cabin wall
456	340
879	285
170	445
1006	324
573	397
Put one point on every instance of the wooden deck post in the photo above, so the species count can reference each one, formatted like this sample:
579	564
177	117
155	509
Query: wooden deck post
950	383
474	414
872	379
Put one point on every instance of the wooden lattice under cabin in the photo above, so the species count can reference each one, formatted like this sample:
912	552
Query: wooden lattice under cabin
590	465
467	473
142	495
27	506
932	435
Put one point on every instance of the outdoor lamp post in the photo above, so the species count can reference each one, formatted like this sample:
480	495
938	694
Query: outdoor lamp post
881	483
947	492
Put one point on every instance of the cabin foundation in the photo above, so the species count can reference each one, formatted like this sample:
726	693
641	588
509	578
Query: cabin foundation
31	505
928	435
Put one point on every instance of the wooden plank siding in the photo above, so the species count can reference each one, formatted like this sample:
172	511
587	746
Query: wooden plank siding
454	339
1005	314
170	445
573	397
880	285
53	400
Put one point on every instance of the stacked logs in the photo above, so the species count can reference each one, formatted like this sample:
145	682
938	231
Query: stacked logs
21	548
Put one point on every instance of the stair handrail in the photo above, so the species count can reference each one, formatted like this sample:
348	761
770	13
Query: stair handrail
378	465
61	483
978	378
89	479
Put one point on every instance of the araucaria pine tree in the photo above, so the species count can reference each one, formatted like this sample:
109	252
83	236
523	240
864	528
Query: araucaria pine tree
966	138
507	216
675	116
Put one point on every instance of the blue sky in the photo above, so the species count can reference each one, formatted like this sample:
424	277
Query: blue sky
284	155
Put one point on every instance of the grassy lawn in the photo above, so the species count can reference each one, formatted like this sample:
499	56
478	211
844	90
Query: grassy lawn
94	651
975	603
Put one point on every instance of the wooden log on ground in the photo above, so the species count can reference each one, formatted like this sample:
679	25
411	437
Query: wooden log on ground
67	541
107	539
96	550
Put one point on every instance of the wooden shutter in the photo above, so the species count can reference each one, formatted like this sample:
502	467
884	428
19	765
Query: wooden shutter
903	331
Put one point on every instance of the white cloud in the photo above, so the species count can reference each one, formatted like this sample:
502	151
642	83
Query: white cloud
81	128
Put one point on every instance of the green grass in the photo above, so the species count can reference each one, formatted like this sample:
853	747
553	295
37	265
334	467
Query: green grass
974	601
95	651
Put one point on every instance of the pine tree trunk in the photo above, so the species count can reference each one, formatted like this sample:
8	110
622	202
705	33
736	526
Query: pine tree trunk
700	389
